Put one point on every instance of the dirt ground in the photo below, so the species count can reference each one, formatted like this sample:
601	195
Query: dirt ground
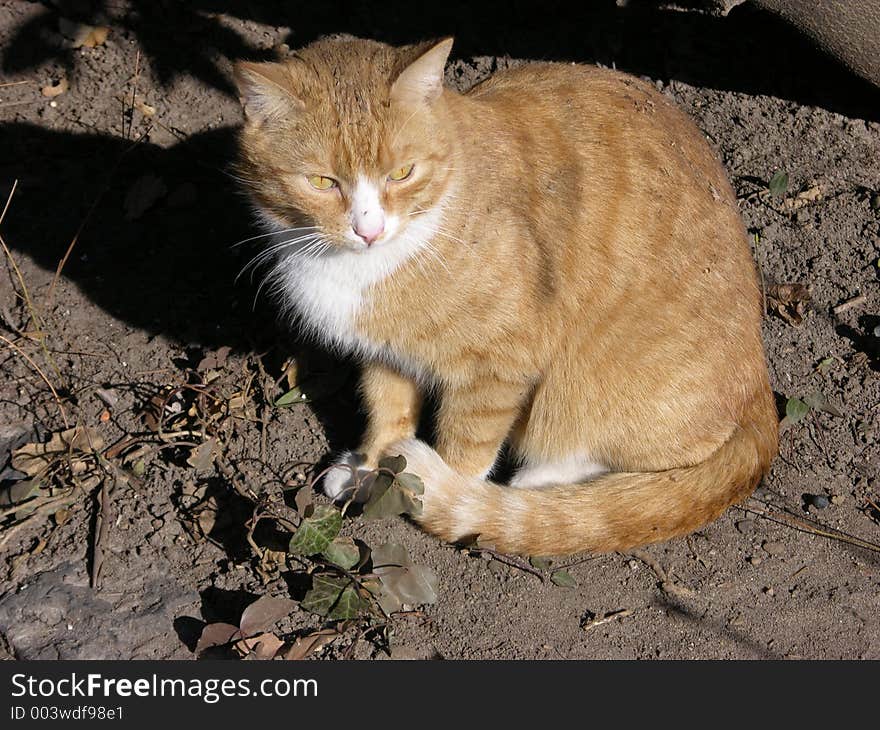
122	178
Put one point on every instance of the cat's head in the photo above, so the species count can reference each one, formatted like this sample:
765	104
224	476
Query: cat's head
349	139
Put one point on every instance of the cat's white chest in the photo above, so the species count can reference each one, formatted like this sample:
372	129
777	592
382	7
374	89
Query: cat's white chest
329	294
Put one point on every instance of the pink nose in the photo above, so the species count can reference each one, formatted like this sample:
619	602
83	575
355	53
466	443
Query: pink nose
370	232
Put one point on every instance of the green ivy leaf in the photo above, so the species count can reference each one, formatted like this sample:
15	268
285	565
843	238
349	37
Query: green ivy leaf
411	482
315	533
563	578
294	395
390	497
795	410
541	563
343	552
395	464
335	598
779	183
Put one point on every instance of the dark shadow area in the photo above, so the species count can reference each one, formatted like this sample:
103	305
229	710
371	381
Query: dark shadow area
222	606
750	51
863	338
740	638
188	630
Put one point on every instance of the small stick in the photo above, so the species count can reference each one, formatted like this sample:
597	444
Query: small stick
99	540
850	303
803	525
606	618
667	584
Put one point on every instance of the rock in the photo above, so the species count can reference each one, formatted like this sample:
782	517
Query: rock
746	526
817	501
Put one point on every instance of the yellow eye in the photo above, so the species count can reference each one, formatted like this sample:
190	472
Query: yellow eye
401	173
319	182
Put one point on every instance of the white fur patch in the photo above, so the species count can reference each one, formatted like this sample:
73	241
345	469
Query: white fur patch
347	476
327	292
555	473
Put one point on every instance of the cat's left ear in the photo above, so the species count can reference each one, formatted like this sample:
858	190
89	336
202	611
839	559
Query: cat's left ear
422	81
264	90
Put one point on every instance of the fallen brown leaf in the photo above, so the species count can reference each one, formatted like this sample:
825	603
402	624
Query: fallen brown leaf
55	89
788	301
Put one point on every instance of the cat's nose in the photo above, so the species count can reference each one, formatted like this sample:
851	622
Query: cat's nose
369	230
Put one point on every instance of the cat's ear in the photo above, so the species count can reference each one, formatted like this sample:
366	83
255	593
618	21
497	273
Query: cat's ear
264	90
422	81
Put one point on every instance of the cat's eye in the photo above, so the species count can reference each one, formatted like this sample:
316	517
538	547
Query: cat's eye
319	182
401	173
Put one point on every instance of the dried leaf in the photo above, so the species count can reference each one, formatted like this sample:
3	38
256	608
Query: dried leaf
819	402
789	301
32	459
146	191
343	552
263	647
214	360
202	456
305	501
315	533
563	578
309	644
50	91
80	35
264	613
409	583
216	635
335	598
18	492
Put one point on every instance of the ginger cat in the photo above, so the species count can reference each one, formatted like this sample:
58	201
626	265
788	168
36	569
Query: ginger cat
557	251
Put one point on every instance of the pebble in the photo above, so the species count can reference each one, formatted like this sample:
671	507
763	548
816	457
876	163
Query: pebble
838	499
875	201
819	501
746	526
769	591
754	560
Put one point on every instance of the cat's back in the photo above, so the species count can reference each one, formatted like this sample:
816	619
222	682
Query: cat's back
592	107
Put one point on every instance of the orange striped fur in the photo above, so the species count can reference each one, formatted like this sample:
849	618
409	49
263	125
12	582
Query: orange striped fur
565	263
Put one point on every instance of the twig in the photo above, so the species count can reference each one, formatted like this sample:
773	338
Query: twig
49	506
42	375
804	525
850	303
99	539
512	562
605	618
667	584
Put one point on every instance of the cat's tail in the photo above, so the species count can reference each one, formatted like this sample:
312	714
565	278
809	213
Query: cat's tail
615	511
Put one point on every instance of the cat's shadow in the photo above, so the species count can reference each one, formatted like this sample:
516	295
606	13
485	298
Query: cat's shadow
750	51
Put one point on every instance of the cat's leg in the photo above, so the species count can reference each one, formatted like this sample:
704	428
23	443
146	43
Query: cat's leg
393	403
474	419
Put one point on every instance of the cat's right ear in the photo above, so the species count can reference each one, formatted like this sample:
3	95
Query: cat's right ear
422	81
264	90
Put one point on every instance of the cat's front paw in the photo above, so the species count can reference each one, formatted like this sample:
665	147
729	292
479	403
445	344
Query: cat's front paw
350	478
